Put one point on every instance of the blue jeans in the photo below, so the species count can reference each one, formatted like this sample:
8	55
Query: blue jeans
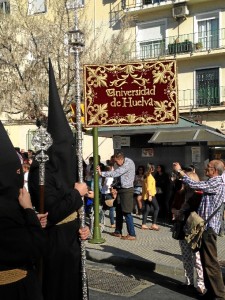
130	224
111	215
128	219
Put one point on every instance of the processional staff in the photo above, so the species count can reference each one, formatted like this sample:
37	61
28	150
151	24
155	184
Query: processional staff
76	41
41	141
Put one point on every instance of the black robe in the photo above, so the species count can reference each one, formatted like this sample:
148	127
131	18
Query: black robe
62	263
22	243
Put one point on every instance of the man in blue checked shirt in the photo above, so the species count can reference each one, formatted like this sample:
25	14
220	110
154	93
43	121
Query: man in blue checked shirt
213	196
126	173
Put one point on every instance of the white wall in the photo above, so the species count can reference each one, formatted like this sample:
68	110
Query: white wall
19	137
105	148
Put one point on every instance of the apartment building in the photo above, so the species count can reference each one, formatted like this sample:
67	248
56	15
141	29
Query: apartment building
192	32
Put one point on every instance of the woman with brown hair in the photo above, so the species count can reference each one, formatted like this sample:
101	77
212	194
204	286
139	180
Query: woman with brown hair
148	195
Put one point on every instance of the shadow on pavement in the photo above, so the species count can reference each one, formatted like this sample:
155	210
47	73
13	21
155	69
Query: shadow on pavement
135	266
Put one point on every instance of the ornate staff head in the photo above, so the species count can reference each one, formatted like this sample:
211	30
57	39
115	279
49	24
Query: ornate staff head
41	141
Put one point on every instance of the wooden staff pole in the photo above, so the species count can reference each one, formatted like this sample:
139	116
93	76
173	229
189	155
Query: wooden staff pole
41	141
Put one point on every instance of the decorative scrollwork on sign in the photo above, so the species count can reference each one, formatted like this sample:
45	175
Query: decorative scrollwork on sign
132	94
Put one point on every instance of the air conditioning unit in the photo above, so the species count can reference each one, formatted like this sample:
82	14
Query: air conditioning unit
180	11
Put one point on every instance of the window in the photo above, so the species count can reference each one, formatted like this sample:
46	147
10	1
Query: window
208	31
151	49
74	3
145	2
151	39
153	1
207	87
29	137
36	7
4	7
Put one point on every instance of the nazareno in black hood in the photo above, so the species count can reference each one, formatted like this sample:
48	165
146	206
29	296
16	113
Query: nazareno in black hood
11	173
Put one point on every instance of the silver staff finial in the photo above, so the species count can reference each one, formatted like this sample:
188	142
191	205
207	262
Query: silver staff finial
42	141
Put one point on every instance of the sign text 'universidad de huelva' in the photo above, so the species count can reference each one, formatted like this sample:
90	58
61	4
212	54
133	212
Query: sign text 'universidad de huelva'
140	93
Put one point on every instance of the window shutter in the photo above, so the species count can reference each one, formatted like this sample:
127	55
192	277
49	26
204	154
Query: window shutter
150	32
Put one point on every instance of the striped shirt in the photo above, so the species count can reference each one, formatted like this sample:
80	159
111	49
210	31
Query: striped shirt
213	196
126	172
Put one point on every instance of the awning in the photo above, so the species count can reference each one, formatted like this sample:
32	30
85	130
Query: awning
182	132
192	135
144	129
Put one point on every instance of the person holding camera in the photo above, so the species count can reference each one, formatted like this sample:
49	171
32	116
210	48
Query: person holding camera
213	195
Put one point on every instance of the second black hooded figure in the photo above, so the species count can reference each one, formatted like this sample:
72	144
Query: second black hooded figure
62	264
22	240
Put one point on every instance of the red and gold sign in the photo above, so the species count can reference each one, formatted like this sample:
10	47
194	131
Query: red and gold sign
131	94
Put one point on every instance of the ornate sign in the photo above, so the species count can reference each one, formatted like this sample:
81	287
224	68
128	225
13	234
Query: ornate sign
131	94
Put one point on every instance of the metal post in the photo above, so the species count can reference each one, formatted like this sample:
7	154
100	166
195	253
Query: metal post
96	233
77	44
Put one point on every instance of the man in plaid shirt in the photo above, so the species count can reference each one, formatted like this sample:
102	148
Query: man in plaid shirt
213	196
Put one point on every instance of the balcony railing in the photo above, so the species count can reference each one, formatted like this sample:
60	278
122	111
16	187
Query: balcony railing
182	47
129	4
173	45
213	96
126	5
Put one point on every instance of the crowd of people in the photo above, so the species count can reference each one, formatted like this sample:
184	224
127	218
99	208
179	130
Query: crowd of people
141	190
148	191
172	198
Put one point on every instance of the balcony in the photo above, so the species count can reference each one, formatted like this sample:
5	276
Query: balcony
183	47
117	12
191	44
139	4
209	97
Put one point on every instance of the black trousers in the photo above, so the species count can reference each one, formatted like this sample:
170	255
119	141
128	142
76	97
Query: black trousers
212	271
151	207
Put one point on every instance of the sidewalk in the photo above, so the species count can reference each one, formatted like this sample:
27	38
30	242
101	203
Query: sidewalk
152	250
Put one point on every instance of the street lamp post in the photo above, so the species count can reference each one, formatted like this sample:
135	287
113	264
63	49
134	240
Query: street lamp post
76	41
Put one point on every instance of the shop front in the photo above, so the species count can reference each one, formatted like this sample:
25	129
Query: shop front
187	142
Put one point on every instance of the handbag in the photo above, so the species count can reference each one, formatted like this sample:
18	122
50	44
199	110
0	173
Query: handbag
109	202
194	229
178	230
137	190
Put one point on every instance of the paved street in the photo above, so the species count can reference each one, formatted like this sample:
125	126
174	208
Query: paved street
108	282
152	261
